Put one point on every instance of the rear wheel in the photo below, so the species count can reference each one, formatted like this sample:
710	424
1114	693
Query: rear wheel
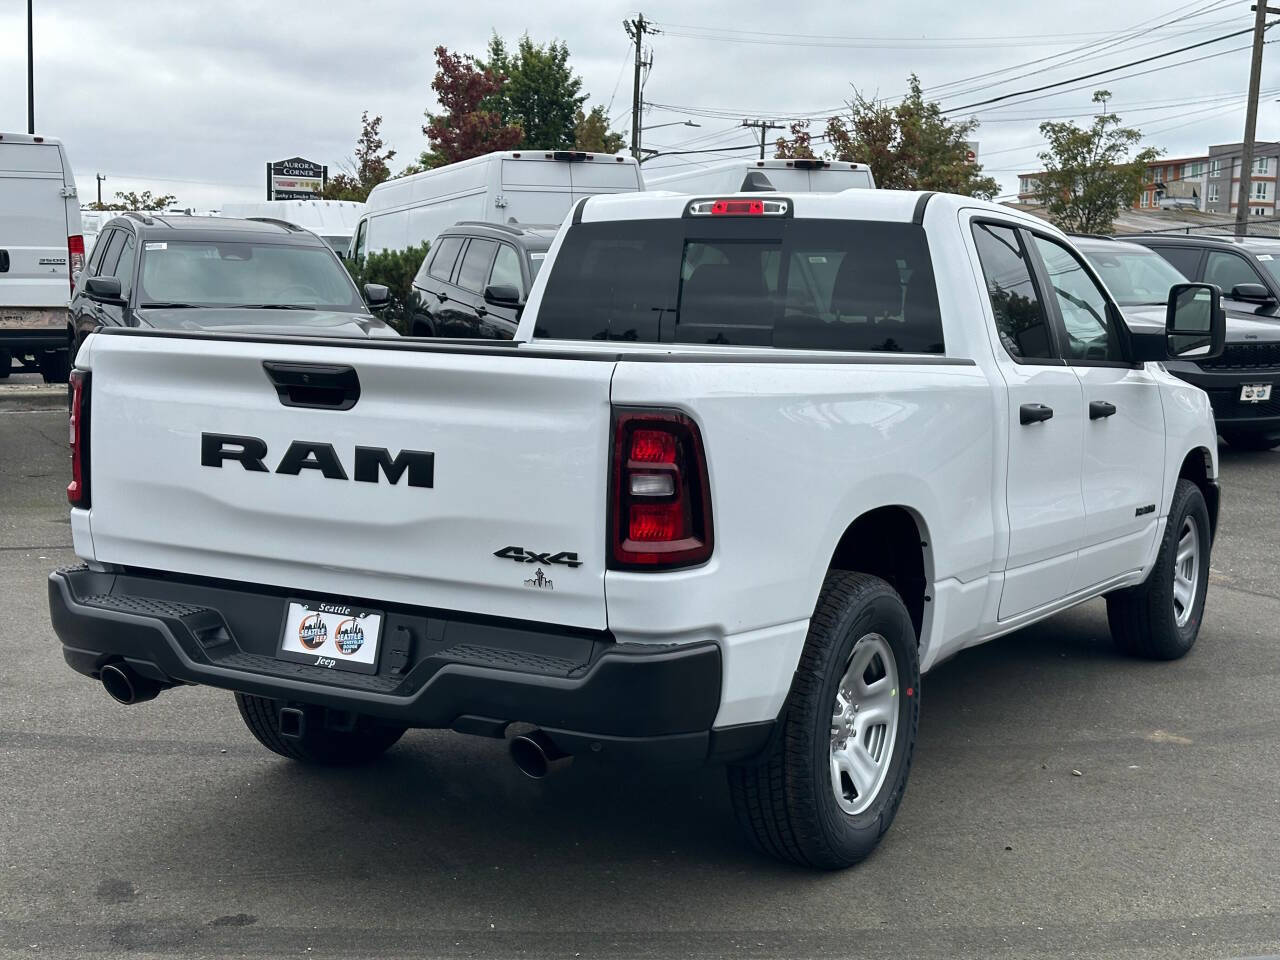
1160	619
313	737
1252	441
829	785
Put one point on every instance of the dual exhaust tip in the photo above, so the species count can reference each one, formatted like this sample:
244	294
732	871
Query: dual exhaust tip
534	753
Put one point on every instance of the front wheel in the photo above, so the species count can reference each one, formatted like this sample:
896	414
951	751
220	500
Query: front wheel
1160	619
316	741
829	785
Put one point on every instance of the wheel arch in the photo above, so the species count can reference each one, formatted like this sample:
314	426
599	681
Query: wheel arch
1197	466
891	542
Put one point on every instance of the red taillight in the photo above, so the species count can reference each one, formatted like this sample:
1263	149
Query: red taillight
75	258
78	488
737	208
660	503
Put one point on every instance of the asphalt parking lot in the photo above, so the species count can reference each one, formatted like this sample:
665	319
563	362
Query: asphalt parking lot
165	830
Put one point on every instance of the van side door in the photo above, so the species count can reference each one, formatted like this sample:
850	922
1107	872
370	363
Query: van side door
1045	415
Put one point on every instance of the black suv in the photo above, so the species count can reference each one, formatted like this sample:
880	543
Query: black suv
1244	383
219	274
476	277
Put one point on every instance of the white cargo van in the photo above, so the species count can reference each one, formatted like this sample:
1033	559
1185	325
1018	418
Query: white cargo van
333	221
41	251
520	186
788	176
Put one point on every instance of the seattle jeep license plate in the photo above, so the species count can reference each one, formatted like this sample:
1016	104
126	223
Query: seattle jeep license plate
333	635
1255	392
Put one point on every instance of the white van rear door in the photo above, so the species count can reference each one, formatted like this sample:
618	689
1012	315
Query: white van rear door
33	226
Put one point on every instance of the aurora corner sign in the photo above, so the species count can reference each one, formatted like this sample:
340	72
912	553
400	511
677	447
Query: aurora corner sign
296	179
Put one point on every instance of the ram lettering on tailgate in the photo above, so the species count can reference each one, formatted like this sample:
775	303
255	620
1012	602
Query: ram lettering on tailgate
369	463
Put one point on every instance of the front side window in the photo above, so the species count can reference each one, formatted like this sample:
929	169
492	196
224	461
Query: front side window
1083	305
506	267
1021	321
788	283
217	273
1228	270
124	266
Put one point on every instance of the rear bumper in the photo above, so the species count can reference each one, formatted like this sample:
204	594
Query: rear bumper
33	339
436	669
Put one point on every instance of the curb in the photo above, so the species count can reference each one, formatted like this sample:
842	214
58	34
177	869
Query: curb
33	396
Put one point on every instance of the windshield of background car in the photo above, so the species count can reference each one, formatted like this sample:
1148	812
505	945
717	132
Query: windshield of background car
756	281
1135	276
217	273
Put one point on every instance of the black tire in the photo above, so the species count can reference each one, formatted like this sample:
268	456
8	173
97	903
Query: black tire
1252	441
55	367
784	800
366	741
1142	618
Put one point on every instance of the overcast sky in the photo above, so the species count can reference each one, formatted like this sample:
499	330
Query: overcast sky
194	98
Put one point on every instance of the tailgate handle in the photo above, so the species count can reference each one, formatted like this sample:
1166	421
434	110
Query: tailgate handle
321	386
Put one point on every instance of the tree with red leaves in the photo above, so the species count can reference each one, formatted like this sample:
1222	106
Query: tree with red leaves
464	129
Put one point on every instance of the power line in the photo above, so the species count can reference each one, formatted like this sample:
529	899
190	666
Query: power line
1098	73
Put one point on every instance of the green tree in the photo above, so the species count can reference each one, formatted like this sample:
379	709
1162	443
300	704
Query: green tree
467	126
395	269
909	145
137	201
591	132
1089	176
366	169
541	94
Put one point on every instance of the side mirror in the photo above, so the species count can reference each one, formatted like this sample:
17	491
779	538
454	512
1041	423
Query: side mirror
1195	324
376	295
1252	293
502	295
103	289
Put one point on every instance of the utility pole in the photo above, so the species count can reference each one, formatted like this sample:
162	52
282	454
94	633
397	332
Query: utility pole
1251	118
31	75
636	29
765	126
100	178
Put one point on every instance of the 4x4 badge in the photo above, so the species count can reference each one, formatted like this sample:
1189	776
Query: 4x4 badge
521	555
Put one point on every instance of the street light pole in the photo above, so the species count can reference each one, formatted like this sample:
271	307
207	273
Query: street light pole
31	76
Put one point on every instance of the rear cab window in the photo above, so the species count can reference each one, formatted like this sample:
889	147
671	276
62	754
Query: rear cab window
794	283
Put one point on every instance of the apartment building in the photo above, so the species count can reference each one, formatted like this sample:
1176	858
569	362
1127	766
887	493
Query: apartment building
1223	178
1174	183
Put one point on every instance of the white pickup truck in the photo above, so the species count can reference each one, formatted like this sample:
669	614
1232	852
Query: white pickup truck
751	466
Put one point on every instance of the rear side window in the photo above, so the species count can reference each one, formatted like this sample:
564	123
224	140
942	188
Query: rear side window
112	254
1021	321
1186	259
440	264
791	283
475	265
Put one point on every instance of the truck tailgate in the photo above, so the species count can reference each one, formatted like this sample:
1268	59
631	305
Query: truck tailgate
519	447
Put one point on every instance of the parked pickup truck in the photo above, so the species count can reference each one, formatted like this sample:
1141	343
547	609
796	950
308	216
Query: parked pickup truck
751	466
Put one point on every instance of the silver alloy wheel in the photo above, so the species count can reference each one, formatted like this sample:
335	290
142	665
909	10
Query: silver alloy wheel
864	723
1186	572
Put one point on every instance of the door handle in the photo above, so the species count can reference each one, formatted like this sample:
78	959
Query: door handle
442	296
1100	409
4	261
482	310
1034	413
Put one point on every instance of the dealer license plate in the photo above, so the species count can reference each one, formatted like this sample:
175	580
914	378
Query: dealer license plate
334	635
1255	392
